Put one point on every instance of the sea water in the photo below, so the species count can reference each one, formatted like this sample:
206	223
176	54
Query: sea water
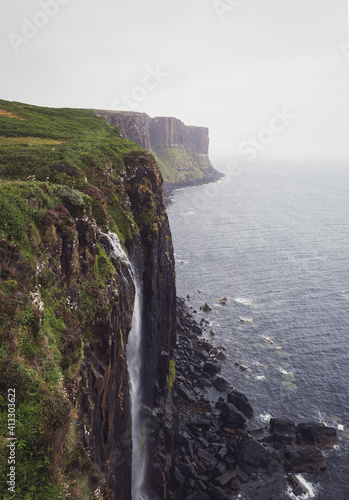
274	241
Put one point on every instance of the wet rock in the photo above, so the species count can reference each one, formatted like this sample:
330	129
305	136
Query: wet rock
221	356
283	430
240	401
212	368
212	332
221	384
297	487
302	458
204	382
206	307
223	301
317	434
254	458
231	416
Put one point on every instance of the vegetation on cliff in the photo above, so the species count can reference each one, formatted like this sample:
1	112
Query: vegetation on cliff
65	174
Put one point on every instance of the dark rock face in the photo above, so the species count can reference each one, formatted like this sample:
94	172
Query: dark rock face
133	126
153	254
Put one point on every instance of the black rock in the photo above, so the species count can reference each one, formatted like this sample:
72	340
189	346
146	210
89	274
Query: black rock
205	382
182	391
219	469
240	401
283	430
231	416
254	458
179	477
199	423
225	478
221	384
317	434
212	368
302	458
297	487
216	492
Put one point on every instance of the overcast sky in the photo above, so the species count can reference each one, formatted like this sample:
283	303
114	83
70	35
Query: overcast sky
268	77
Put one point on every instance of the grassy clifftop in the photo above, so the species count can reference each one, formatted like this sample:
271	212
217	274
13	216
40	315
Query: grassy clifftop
63	174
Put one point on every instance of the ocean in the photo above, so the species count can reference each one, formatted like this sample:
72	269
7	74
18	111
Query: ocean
273	239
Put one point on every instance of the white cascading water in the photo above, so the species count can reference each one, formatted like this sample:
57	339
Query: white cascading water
134	362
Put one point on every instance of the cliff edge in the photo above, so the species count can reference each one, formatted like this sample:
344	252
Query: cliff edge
182	151
78	205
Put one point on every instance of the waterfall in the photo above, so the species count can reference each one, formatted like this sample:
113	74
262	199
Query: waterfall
134	363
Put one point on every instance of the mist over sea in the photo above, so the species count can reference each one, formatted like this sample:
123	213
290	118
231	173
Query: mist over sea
274	240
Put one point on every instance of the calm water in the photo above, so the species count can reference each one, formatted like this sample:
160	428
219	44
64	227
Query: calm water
274	240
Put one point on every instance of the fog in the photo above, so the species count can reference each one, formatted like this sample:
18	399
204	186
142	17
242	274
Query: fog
268	77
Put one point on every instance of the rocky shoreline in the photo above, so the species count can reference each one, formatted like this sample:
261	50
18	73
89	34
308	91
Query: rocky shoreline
218	453
169	187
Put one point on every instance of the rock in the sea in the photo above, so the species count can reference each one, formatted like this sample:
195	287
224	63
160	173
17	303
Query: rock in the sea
223	301
240	401
221	356
206	307
283	430
212	368
297	487
302	458
231	416
317	434
221	384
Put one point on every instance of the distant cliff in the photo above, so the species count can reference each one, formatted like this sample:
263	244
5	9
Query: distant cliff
181	151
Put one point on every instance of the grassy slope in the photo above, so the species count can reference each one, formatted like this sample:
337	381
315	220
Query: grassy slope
44	186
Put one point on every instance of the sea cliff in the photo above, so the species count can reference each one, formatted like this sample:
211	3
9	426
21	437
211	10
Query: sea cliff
182	151
69	186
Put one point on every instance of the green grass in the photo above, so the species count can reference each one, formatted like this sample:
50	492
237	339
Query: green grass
56	165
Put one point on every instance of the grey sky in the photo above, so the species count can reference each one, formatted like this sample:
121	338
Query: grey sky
231	65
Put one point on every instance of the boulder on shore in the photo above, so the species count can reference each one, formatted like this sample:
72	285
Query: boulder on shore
240	402
231	416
